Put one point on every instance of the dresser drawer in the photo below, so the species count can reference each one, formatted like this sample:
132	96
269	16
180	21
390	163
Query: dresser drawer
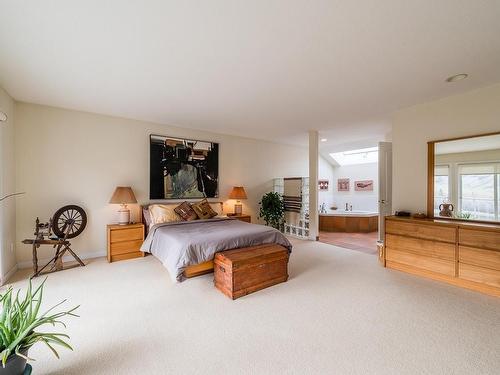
129	234
422	247
124	247
479	274
479	238
479	257
424	231
441	266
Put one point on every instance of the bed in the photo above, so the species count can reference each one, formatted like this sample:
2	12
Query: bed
187	248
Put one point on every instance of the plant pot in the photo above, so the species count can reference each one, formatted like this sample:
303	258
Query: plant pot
15	365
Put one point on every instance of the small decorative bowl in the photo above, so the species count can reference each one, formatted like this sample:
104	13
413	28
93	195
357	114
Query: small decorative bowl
419	215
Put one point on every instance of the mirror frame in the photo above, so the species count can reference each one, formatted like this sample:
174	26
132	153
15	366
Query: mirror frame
430	178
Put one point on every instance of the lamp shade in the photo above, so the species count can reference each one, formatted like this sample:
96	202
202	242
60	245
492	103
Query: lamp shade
238	192
123	195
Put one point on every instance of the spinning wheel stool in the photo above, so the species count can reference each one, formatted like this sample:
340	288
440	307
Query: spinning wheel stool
67	223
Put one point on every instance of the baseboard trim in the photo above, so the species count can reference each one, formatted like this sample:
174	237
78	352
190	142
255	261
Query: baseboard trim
8	275
66	258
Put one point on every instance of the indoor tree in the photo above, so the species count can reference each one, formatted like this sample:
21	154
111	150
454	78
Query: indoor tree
272	209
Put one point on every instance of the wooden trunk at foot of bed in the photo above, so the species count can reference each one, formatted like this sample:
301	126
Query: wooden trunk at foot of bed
243	271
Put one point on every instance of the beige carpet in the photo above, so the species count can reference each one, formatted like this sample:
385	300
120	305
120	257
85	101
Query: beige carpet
340	313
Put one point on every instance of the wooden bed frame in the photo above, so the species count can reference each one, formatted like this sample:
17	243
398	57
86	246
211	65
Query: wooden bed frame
197	269
190	271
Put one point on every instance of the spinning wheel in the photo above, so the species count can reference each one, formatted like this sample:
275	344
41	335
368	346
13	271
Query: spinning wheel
69	221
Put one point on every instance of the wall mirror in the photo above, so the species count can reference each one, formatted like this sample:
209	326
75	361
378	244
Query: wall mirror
464	178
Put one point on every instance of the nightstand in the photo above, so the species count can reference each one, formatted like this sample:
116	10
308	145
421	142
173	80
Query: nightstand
242	217
124	241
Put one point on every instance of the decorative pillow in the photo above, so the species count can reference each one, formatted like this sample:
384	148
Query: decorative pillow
147	217
217	207
186	211
203	209
163	213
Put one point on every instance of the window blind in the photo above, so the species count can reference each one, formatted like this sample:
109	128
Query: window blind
479	168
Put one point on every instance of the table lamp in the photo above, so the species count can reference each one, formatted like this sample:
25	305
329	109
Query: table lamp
238	193
123	195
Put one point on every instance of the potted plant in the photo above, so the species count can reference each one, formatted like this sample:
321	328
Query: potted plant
272	209
20	317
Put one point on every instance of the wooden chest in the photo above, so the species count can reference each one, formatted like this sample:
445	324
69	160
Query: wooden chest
243	271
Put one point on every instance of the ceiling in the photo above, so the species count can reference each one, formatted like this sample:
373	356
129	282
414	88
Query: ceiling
264	69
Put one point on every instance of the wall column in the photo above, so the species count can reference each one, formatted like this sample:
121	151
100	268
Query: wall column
313	185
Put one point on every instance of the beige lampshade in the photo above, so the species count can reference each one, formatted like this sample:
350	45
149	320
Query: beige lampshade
238	192
123	195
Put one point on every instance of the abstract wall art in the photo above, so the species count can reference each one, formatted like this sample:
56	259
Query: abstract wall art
365	185
183	168
343	184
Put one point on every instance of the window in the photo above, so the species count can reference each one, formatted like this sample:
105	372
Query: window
353	157
498	196
441	186
479	190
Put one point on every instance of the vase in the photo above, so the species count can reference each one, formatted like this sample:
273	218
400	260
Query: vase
15	364
446	210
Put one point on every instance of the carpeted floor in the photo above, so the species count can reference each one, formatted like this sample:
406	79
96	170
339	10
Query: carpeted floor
339	313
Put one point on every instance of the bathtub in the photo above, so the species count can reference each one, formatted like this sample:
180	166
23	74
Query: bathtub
348	221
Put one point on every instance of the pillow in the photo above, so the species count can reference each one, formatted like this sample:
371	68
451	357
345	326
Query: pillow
186	212
163	213
203	209
217	207
147	217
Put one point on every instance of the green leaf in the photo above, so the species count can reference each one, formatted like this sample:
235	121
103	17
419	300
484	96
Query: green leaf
20	316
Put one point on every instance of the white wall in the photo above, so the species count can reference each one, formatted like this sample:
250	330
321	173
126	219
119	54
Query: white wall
65	156
474	112
7	186
326	173
360	200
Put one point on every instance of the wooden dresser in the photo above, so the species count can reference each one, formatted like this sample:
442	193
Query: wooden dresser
124	241
463	254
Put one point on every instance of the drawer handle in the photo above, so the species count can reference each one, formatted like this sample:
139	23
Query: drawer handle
222	269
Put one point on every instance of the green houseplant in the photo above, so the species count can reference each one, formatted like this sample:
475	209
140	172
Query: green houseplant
463	215
272	209
20	319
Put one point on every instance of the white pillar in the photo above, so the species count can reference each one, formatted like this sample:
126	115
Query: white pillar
313	185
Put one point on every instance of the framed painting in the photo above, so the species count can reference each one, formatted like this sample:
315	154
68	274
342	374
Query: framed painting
343	184
183	168
365	185
323	184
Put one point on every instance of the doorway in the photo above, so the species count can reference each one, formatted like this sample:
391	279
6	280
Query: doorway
357	196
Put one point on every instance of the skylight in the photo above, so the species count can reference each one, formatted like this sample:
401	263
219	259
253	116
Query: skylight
360	156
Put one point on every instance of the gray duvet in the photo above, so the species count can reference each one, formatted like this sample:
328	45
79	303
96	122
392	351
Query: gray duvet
181	244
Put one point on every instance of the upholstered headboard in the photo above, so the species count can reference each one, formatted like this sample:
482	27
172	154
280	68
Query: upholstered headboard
146	206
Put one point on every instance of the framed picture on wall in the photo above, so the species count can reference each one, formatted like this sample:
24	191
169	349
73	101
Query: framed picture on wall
323	184
343	184
183	168
365	185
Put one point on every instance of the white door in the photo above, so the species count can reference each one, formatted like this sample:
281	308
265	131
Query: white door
385	185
